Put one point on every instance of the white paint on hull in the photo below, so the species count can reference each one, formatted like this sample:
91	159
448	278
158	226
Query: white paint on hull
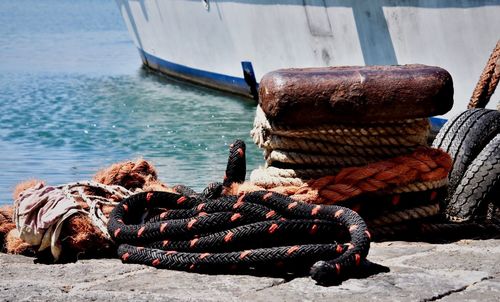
457	35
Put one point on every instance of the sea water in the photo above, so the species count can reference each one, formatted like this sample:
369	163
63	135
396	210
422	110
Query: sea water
74	99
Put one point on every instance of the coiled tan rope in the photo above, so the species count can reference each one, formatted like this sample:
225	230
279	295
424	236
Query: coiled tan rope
294	155
264	181
404	215
389	128
304	174
290	157
397	141
275	142
397	133
421	186
334	163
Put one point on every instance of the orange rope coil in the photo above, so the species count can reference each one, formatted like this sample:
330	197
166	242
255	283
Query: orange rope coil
423	165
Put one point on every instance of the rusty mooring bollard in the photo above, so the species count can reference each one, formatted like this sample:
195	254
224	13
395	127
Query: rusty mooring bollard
315	96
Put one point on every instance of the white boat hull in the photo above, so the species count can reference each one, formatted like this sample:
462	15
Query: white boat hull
184	39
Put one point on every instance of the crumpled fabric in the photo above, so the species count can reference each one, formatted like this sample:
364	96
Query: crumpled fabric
39	214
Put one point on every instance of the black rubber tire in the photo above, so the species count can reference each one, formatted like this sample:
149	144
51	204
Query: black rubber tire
479	189
463	137
443	138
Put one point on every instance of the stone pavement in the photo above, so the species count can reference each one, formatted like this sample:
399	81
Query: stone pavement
466	270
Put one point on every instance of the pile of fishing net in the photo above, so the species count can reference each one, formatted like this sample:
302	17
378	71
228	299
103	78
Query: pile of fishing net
67	222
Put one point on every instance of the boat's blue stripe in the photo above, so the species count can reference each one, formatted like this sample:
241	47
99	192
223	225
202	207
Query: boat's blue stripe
220	81
437	122
211	79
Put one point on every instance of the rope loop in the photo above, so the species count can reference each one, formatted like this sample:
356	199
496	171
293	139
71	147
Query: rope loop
488	81
255	230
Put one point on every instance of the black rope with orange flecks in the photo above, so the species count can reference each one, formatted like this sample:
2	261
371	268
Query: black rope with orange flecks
202	234
255	231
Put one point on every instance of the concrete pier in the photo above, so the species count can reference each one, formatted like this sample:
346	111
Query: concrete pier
464	270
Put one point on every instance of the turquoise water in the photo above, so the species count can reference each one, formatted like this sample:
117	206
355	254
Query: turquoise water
74	98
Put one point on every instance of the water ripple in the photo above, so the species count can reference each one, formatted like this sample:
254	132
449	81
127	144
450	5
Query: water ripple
64	127
73	99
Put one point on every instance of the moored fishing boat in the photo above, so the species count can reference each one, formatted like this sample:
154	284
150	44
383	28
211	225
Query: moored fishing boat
230	45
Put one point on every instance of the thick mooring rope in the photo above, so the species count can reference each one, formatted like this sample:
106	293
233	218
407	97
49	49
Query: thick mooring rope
415	127
422	186
488	81
406	215
301	174
322	160
311	153
423	169
257	229
360	141
284	143
425	164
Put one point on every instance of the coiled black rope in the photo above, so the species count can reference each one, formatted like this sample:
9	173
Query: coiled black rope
197	233
255	231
